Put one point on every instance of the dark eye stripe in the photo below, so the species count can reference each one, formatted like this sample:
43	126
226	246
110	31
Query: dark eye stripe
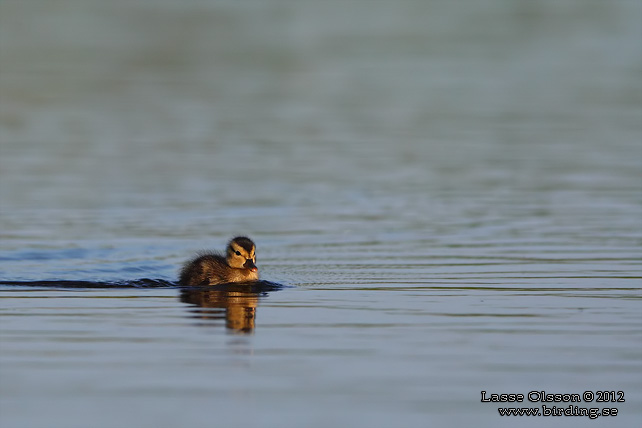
238	253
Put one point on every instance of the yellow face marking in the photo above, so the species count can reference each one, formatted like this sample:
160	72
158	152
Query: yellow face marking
239	251
237	255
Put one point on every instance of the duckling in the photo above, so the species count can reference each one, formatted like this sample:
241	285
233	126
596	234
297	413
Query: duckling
238	265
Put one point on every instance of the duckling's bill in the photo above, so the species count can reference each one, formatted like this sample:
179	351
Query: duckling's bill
249	264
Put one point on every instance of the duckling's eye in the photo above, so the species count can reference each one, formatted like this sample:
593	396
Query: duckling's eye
238	253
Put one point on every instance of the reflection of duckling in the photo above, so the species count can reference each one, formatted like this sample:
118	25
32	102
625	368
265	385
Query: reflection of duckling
238	300
211	268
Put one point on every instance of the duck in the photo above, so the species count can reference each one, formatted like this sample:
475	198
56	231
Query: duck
211	268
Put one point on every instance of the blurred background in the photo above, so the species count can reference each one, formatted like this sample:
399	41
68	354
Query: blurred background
434	169
153	118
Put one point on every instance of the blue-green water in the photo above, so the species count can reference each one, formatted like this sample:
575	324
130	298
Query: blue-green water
449	193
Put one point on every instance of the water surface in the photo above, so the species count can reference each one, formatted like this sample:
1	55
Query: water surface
447	194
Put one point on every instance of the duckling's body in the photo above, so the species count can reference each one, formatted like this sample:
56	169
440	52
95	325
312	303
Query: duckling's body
238	265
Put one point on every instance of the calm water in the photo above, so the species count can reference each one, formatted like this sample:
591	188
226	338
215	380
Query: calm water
448	193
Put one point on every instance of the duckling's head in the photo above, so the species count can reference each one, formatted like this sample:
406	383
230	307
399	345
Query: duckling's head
241	254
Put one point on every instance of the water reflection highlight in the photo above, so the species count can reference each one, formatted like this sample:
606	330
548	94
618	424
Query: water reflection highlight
236	303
